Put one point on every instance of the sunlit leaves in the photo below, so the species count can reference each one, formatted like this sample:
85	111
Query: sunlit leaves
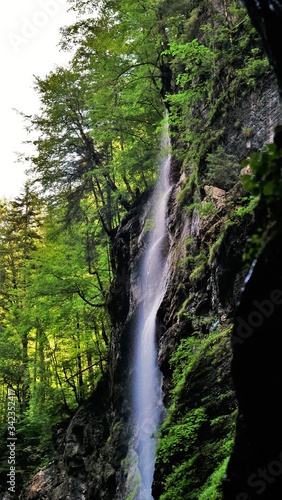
266	178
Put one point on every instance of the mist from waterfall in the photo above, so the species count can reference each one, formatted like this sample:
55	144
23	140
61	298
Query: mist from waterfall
147	383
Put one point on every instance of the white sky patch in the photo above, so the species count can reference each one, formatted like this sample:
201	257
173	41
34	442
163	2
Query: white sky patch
29	46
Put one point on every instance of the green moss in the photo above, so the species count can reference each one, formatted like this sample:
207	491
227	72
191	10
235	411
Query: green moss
249	203
188	242
184	306
205	209
247	207
214	247
186	193
182	436
197	436
200	262
196	264
248	132
126	464
149	224
212	489
135	484
178	484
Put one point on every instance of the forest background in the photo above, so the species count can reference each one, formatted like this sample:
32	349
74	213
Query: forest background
97	143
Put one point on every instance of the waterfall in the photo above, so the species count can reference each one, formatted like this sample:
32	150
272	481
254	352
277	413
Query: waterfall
147	381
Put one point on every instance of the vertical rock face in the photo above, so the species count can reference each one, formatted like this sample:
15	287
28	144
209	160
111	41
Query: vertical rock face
267	18
253	119
206	278
255	468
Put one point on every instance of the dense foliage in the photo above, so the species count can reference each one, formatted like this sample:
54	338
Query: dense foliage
197	436
96	144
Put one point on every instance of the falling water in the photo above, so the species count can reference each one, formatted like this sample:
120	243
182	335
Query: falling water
147	383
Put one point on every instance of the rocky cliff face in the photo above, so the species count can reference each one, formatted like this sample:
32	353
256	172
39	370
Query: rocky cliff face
255	468
206	278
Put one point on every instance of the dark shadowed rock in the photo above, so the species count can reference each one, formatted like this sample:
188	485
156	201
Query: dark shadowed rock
256	463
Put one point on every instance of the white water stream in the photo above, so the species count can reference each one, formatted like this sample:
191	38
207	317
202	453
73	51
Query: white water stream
153	273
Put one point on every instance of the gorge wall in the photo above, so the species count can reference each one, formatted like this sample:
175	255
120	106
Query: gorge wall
207	274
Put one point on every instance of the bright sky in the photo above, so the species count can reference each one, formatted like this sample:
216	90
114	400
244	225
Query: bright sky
29	46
